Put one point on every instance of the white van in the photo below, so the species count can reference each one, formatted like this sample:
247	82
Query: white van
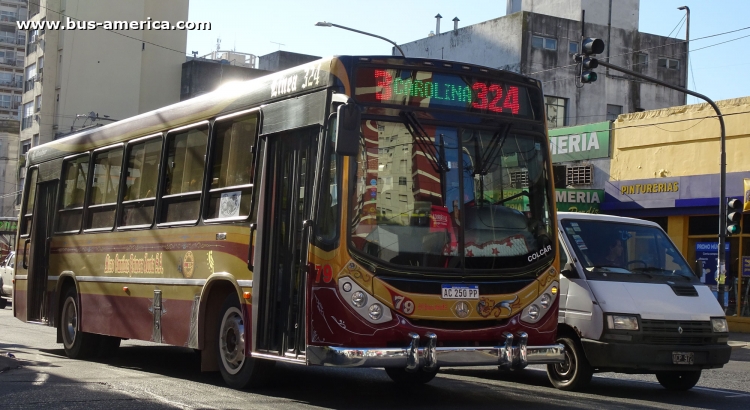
630	303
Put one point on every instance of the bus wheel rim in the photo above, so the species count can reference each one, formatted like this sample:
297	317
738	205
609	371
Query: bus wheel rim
232	341
70	321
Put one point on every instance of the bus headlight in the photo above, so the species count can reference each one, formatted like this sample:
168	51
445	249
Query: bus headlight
536	310
359	298
719	325
376	311
365	304
545	300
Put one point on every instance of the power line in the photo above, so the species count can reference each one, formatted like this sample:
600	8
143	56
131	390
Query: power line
678	23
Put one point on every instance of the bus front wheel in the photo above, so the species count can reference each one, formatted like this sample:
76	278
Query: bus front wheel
77	344
401	376
238	370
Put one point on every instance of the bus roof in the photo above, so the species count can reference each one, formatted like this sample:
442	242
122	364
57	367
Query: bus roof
236	96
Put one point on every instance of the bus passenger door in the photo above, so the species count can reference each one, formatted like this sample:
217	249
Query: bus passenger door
284	235
38	258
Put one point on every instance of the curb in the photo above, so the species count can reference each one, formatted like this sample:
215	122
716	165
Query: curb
737	345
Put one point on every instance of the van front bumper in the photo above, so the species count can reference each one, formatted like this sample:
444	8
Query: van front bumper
430	357
649	358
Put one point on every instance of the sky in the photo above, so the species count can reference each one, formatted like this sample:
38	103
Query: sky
260	27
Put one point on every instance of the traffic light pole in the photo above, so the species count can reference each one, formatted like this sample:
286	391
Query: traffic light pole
723	157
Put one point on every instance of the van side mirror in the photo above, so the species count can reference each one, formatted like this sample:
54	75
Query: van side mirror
570	271
347	130
698	268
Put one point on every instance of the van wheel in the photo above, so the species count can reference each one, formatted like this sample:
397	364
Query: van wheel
679	381
3	302
401	376
77	344
238	370
575	372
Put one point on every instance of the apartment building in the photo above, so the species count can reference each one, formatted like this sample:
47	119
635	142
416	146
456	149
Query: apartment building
81	78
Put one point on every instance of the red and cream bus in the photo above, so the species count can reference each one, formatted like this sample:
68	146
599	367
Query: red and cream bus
354	211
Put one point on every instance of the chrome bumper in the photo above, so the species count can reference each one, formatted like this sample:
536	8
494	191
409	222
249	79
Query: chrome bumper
429	357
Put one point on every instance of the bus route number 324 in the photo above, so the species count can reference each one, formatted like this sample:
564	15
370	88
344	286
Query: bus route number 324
460	292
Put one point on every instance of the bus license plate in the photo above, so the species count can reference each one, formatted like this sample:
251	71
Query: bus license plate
682	357
460	292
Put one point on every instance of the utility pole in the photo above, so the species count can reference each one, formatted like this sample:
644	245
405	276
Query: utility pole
592	46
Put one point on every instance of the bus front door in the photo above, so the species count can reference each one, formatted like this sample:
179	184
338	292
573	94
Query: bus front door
286	206
38	296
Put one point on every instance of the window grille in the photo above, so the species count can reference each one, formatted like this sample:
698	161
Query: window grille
580	174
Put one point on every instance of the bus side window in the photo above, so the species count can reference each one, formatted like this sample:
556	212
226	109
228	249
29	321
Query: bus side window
105	183
75	173
142	166
186	156
233	167
328	213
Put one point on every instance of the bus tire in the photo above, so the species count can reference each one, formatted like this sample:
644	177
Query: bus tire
77	344
3	302
575	373
238	370
680	380
401	376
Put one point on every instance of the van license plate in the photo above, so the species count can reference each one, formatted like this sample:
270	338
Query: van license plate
460	292
682	357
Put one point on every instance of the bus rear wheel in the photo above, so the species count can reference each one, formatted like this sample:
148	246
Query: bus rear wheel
401	376
678	381
238	370
77	344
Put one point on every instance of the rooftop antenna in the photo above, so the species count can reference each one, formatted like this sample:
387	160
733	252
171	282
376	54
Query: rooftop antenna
195	54
218	44
279	45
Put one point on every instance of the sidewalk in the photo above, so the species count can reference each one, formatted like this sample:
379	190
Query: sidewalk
739	340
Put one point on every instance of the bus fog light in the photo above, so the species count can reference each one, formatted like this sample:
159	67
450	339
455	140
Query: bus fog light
545	300
347	287
534	312
376	311
359	298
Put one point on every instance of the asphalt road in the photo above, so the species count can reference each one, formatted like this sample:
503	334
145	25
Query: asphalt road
146	375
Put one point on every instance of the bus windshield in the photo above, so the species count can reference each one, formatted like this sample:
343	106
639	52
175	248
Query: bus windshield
447	197
625	251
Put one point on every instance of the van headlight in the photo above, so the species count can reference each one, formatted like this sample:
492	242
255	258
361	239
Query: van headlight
719	325
622	322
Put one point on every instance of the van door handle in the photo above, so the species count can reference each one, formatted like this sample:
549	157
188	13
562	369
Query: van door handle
25	247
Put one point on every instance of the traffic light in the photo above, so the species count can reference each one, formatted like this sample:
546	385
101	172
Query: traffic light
734	216
590	47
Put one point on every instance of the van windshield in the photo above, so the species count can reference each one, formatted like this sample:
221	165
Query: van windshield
613	250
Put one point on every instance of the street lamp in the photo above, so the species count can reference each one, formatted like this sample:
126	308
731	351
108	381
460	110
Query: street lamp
687	44
327	24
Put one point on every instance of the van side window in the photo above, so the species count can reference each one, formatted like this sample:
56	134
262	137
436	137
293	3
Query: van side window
105	182
183	179
563	255
233	167
70	214
140	183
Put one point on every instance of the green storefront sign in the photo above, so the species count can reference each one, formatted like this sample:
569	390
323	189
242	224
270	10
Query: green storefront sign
8	226
581	142
579	200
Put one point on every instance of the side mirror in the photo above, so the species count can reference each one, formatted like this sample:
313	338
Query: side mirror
570	271
347	131
698	268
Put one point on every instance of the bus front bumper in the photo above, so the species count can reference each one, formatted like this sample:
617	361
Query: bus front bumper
430	357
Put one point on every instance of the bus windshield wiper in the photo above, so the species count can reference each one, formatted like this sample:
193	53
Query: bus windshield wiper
423	141
493	149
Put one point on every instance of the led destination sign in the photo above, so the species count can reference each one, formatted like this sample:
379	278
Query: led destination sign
440	90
